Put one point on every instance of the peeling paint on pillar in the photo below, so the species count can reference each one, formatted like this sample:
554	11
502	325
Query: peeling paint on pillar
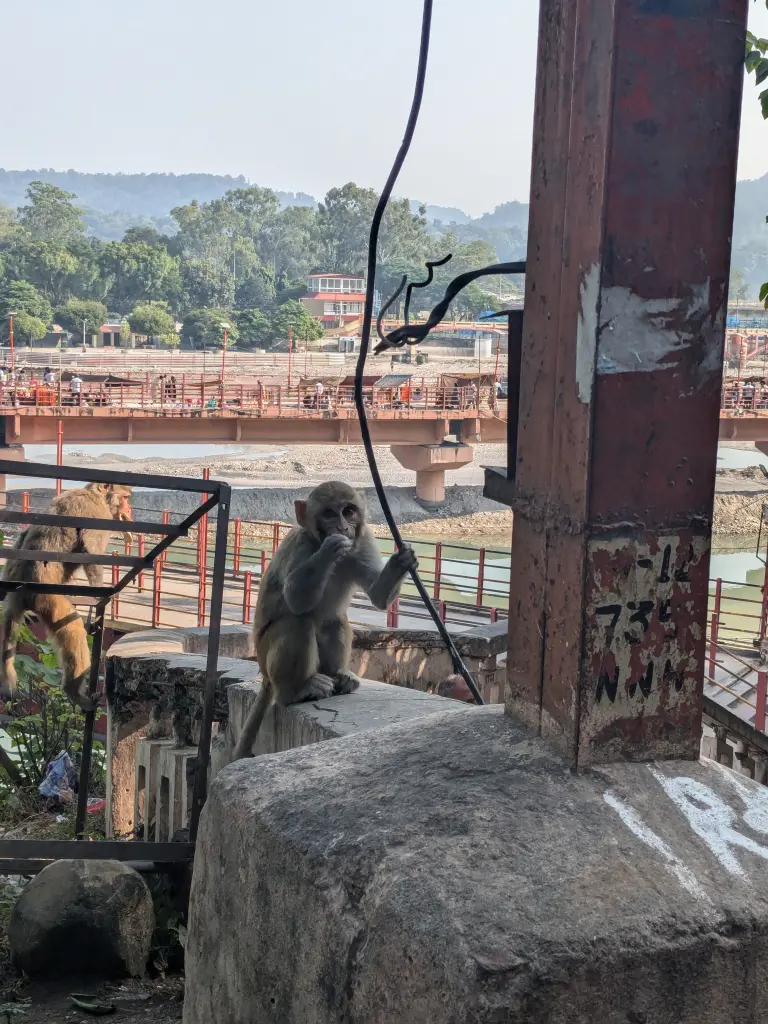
644	648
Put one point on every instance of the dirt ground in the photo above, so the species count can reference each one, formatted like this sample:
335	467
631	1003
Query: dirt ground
135	1002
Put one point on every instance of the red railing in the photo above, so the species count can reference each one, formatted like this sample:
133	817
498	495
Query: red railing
469	585
194	393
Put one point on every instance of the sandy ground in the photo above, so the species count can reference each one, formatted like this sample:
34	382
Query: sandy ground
295	465
269	478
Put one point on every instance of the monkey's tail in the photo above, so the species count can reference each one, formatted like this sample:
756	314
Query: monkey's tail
244	745
14	617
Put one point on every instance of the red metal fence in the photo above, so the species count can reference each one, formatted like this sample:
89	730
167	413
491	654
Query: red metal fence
196	393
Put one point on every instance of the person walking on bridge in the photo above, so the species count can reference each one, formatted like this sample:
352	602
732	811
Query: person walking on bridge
76	387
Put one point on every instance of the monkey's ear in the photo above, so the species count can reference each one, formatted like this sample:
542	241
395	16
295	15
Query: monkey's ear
300	508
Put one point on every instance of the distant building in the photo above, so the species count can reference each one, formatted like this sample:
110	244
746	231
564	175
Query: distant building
335	299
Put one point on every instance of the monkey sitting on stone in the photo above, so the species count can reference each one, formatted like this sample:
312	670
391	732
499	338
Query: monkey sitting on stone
57	613
301	632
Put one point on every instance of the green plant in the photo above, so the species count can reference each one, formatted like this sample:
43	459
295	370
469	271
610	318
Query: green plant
756	62
37	738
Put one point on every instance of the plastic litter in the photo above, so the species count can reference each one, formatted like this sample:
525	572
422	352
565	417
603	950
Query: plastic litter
60	782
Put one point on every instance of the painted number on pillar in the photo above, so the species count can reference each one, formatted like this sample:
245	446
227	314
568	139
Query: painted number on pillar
635	646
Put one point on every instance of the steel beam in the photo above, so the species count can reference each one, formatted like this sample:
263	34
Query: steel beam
633	182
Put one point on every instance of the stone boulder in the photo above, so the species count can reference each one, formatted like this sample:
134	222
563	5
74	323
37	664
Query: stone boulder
83	916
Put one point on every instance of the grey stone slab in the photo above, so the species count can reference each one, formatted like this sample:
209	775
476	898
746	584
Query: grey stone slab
454	869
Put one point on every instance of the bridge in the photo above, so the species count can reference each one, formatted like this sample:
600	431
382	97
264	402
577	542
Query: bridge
415	417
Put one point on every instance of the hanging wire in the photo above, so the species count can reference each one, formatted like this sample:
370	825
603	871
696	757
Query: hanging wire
381	206
430	265
390	302
412	334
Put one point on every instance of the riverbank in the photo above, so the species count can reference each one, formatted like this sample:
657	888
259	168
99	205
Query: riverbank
268	479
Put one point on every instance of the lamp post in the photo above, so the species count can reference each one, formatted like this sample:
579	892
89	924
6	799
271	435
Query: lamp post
226	327
290	353
10	341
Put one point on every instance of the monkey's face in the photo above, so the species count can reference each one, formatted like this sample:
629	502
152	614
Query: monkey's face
340	517
332	508
118	498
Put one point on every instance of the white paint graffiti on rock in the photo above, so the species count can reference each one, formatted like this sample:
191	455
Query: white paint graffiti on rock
712	819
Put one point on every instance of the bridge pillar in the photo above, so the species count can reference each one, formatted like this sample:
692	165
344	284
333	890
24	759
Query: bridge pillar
15	453
430	462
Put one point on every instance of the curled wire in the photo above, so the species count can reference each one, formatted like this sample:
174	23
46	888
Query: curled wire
387	305
365	337
412	334
430	265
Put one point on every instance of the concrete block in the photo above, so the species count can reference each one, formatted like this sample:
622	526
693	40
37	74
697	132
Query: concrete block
146	784
175	784
453	869
373	706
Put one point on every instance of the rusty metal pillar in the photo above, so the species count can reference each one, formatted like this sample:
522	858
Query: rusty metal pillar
634	170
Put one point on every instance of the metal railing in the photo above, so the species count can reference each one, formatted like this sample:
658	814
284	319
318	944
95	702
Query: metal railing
215	495
196	394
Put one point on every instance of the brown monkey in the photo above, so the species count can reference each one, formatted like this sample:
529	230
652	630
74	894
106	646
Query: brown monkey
57	613
301	632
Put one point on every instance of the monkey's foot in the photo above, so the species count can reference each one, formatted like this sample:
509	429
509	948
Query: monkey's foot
317	687
346	682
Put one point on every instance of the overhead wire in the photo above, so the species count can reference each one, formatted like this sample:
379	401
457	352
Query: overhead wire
418	93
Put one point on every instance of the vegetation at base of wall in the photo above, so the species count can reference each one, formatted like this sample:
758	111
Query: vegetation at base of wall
43	723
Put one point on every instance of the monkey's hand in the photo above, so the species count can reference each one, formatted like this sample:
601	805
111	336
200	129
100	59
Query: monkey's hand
402	561
304	586
336	546
387	586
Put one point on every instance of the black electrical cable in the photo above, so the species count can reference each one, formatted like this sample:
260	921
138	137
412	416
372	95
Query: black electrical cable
381	206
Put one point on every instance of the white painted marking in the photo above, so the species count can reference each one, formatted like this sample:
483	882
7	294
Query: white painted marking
755	799
636	825
642	335
586	333
710	818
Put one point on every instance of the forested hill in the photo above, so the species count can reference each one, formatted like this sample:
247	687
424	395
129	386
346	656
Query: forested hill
115	202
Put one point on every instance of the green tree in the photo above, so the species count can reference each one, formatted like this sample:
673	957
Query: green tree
26	328
206	283
287	244
756	63
151	321
255	328
50	215
51	268
147	235
135	272
295	315
344	221
202	328
738	289
23	297
72	314
9	226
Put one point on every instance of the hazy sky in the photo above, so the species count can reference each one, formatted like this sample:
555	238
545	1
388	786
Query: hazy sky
298	95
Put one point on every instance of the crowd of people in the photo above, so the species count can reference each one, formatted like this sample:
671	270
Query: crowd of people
747	396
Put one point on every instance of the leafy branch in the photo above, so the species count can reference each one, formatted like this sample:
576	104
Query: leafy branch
756	63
